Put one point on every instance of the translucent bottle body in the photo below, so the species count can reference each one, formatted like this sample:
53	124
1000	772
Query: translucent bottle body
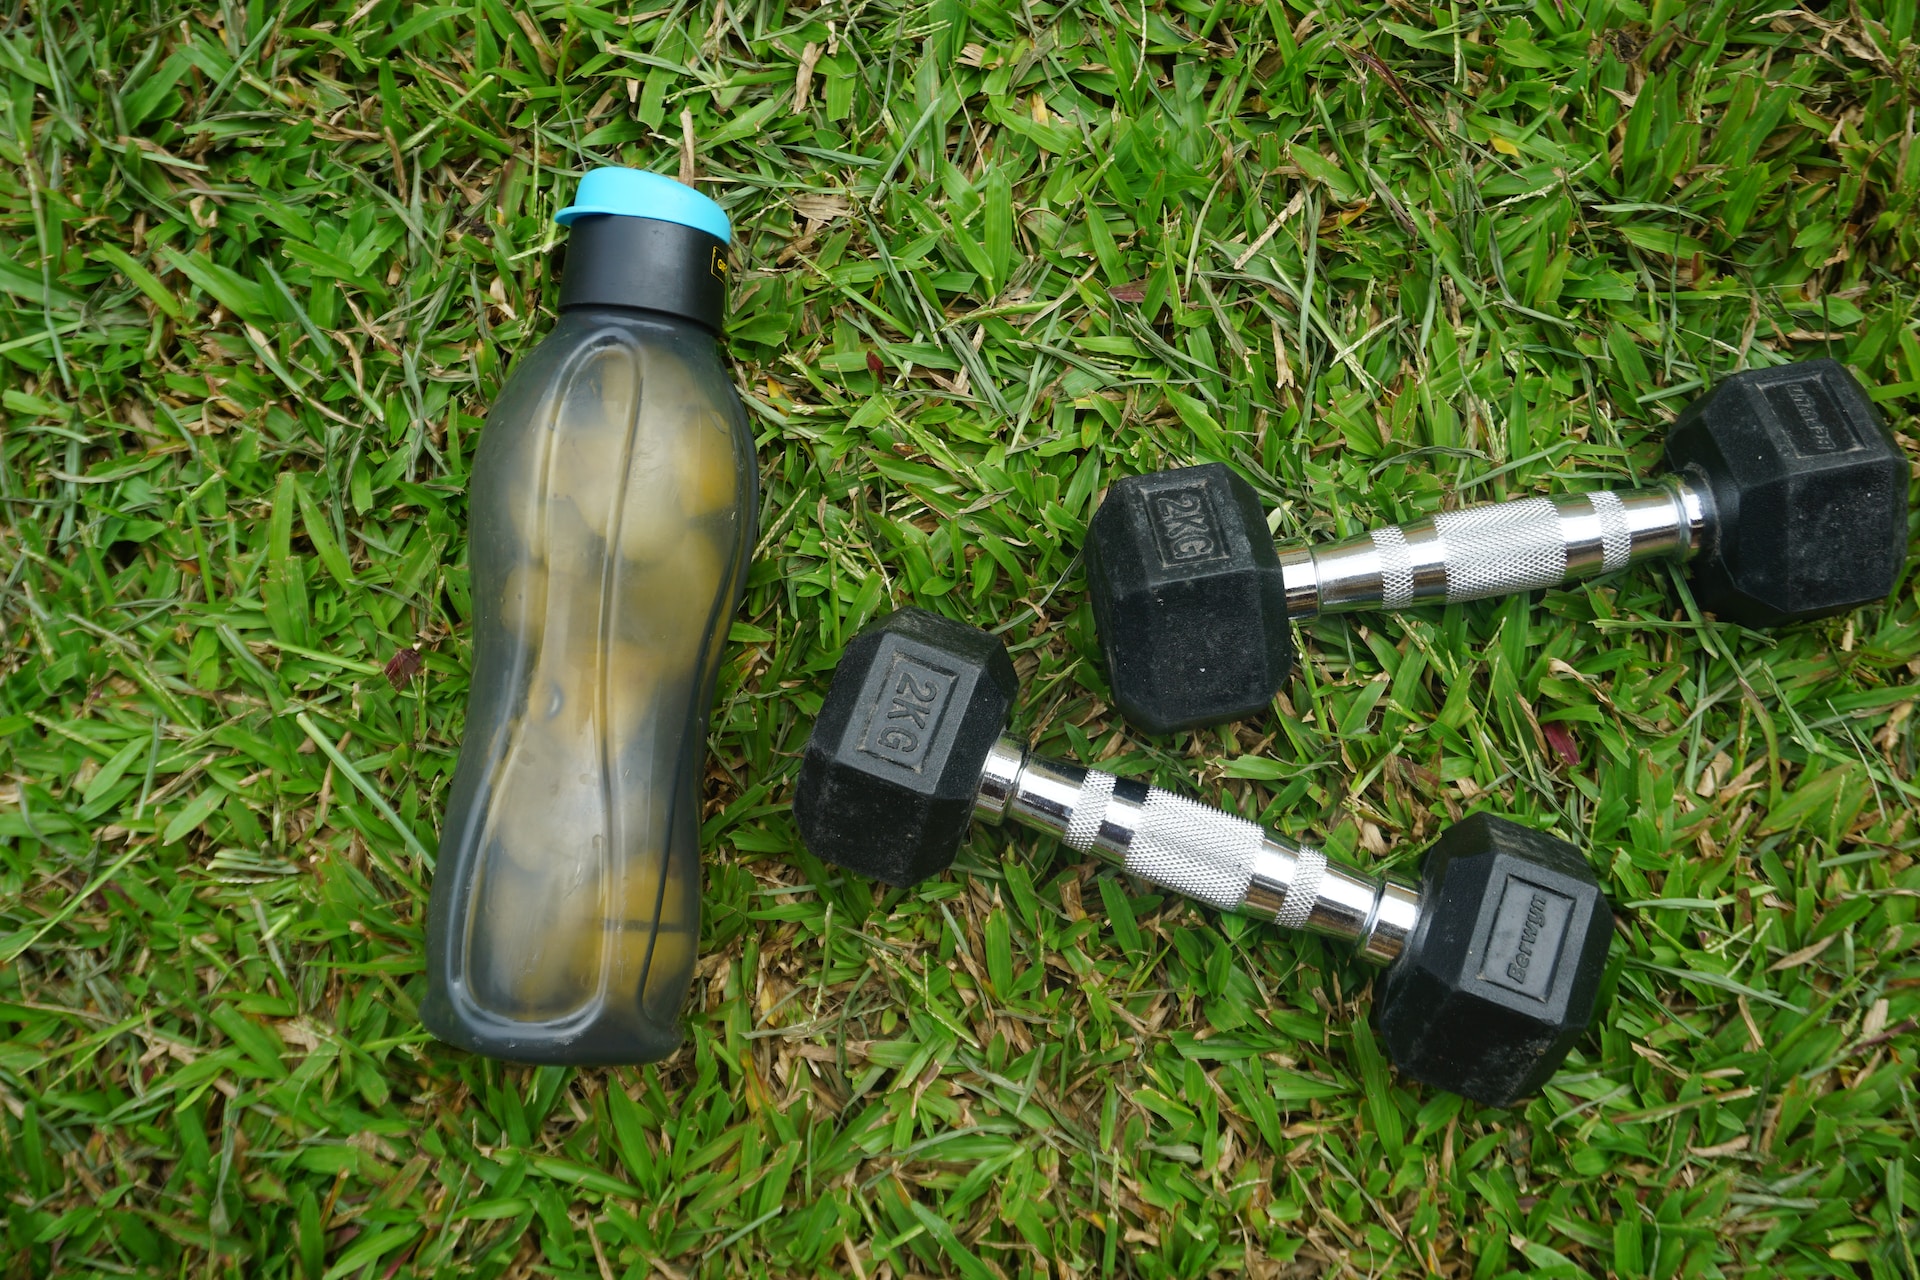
612	511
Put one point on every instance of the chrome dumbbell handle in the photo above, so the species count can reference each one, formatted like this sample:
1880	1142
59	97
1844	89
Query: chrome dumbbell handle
1193	849
1496	549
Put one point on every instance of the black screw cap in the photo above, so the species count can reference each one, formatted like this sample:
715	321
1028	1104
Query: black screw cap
1189	599
1809	494
1498	980
887	780
647	264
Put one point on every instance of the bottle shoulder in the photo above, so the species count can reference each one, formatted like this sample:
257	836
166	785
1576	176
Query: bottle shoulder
582	335
585	321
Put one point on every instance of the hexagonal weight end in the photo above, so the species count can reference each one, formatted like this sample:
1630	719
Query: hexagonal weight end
888	776
1809	494
1498	980
1189	599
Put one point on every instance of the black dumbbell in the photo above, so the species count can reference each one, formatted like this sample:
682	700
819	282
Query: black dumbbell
1494	959
1788	496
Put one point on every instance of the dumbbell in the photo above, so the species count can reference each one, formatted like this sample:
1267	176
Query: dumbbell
1494	959
1787	494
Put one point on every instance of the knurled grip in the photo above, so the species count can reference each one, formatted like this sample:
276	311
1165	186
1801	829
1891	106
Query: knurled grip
1501	549
1089	810
1194	849
1309	870
1197	850
1396	566
1616	531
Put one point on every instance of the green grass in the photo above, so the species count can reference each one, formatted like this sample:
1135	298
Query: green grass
261	270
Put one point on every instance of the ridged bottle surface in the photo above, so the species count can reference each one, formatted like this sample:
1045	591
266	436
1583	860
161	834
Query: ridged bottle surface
612	510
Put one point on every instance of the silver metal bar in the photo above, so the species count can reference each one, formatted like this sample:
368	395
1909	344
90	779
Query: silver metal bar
1496	549
1226	862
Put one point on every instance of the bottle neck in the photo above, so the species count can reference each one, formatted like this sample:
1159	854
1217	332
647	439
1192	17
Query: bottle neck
645	264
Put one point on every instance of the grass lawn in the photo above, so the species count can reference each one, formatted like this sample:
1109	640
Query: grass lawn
262	269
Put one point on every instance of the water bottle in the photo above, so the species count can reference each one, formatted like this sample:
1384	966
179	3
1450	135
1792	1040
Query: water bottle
612	512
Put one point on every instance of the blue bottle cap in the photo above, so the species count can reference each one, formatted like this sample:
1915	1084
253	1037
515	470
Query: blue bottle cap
636	193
